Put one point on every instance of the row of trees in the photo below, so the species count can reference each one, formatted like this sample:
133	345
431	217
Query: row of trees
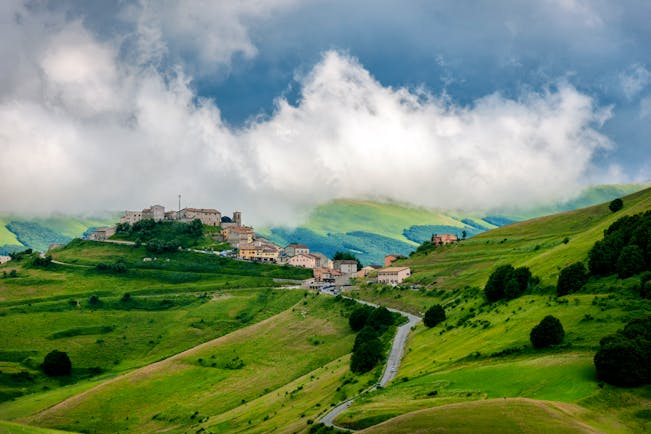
370	323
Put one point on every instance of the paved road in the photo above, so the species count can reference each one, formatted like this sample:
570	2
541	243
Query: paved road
390	369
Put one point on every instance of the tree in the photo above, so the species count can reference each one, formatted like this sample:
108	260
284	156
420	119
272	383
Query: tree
507	282
57	364
434	316
547	333
645	285
571	279
494	288
380	318
94	301
624	359
358	317
630	261
616	205
464	234
367	355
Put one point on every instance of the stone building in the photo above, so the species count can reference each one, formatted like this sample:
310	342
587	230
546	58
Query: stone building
208	216
442	239
102	234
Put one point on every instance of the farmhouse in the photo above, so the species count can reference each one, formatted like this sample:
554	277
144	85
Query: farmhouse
442	239
393	275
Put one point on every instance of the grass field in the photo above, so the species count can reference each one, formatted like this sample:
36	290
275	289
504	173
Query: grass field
497	415
219	376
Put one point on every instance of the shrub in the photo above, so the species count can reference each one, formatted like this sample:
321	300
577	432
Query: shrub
57	364
358	317
434	316
616	205
571	279
507	282
380	318
645	285
367	355
94	301
630	261
624	359
548	332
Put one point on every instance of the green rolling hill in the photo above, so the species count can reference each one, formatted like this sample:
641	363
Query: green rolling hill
207	344
372	230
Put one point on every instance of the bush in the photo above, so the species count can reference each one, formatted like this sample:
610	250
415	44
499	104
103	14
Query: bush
57	364
630	261
434	316
94	301
358	317
547	333
645	285
624	358
507	282
571	279
380	319
616	205
367	355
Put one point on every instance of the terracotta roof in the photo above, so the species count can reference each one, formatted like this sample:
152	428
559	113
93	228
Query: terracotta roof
298	246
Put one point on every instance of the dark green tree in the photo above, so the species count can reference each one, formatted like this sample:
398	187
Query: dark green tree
616	205
358	317
645	285
547	333
380	319
434	316
367	356
624	359
57	364
494	289
571	279
630	261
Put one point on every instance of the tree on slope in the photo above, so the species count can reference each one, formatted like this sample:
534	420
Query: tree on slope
434	315
547	333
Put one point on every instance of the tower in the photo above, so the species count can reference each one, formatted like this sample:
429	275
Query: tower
237	218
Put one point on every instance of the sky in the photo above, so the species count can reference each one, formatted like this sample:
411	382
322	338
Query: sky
272	107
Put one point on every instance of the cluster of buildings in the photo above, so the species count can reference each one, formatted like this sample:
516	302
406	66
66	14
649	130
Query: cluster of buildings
250	247
208	216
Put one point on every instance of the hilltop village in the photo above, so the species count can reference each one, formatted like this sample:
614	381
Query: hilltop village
248	246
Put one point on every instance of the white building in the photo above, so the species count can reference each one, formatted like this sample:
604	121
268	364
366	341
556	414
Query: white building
393	275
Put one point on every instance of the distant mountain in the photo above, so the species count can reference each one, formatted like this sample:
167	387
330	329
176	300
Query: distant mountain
371	229
20	232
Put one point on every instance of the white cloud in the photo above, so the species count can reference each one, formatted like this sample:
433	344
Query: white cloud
95	132
210	33
634	80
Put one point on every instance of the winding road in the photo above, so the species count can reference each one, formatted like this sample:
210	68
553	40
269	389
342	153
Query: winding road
390	369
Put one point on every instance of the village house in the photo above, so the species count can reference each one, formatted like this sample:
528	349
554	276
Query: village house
390	259
322	260
346	266
102	234
303	260
443	239
4	259
365	271
237	235
154	212
208	216
296	249
131	217
259	252
393	275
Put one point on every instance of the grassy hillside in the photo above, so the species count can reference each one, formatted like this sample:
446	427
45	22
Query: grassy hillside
372	229
482	351
545	244
498	415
